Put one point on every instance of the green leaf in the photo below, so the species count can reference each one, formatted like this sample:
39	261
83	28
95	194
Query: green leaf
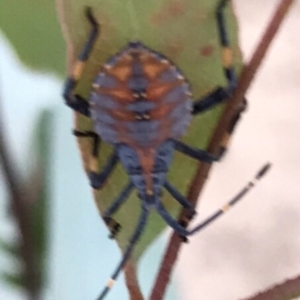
37	184
183	30
10	248
33	29
15	280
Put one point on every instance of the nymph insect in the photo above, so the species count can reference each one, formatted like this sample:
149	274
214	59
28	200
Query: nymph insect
141	104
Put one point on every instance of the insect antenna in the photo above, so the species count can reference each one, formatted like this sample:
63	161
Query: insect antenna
262	171
182	231
127	253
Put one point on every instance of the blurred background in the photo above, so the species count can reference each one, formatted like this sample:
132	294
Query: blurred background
258	243
254	246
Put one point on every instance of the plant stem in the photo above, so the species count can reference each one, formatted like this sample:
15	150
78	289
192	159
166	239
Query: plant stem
132	281
290	289
18	200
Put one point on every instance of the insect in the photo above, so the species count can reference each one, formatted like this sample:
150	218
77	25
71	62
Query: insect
141	104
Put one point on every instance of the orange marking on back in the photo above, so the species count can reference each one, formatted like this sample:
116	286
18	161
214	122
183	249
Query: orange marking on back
161	111
152	66
156	91
121	93
122	115
122	69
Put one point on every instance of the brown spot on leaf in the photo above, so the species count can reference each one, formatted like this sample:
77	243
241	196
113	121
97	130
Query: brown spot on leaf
175	8
157	19
207	50
174	48
167	11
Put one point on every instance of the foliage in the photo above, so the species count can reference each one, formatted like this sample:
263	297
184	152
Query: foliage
37	185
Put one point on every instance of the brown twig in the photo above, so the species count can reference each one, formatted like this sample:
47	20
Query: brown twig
18	196
132	281
290	289
197	184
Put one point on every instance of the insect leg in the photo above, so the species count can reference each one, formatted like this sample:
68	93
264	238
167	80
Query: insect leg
233	201
94	136
127	253
209	101
76	102
110	222
171	221
195	153
234	120
184	232
98	179
228	70
222	94
225	44
181	199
